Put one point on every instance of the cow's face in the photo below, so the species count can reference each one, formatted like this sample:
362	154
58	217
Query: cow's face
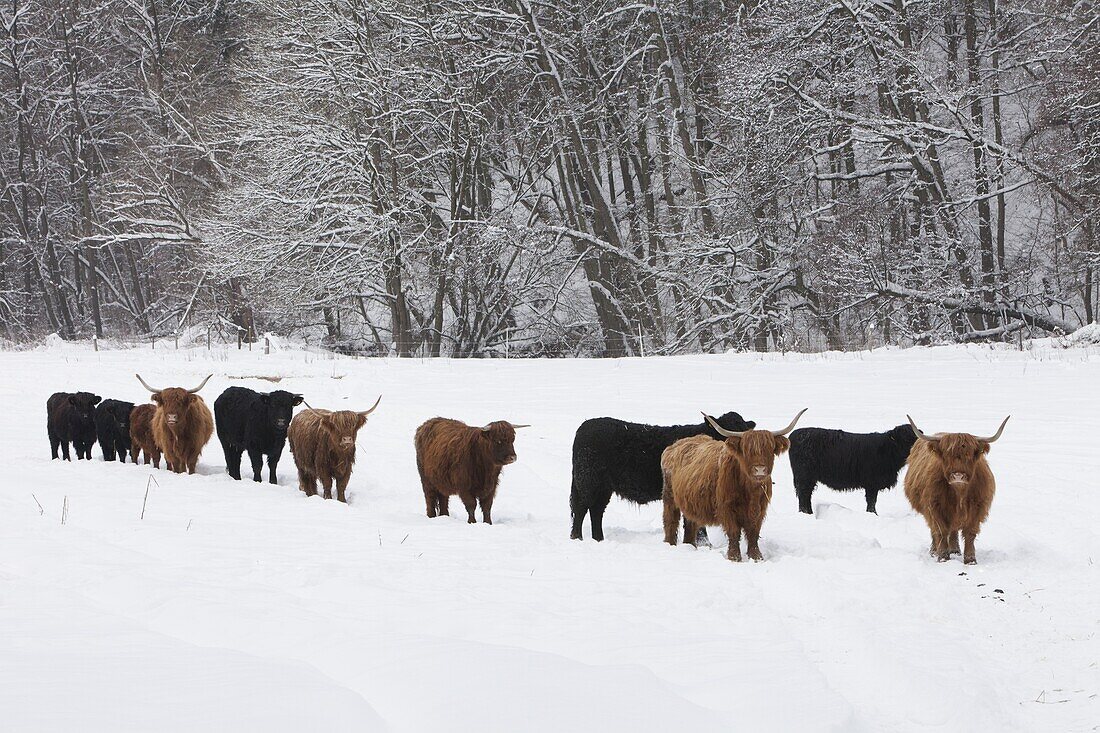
279	407
84	403
959	454
499	439
175	403
734	421
902	437
343	428
755	452
121	415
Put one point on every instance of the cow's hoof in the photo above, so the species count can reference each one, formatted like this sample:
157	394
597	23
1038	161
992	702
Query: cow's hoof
970	561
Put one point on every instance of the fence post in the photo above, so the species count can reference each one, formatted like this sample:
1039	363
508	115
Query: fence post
95	342
267	344
239	339
177	340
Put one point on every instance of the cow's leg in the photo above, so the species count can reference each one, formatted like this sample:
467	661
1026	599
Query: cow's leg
941	548
341	484
232	460
431	501
691	533
192	465
577	531
257	459
65	450
804	489
156	458
578	508
969	535
326	484
872	499
470	503
752	542
108	447
487	508
595	515
307	483
444	504
953	542
85	451
273	465
55	443
672	521
733	531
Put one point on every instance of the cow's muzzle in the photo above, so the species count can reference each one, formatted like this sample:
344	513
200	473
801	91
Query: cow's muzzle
171	418
958	479
760	472
509	460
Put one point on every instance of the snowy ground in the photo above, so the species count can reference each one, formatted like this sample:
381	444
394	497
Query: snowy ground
237	606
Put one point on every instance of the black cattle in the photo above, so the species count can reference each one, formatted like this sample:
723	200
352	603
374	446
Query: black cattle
847	461
112	427
70	419
255	422
615	457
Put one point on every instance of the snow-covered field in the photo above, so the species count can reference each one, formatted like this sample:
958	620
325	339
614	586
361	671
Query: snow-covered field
241	606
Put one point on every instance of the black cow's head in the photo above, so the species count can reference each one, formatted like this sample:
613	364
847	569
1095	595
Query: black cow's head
733	421
279	409
84	403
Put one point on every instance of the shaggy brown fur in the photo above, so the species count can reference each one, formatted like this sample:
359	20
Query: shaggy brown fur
721	482
182	425
454	458
323	445
950	507
141	435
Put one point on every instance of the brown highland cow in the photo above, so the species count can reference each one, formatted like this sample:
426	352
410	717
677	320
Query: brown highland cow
950	484
724	482
141	435
323	445
455	458
182	425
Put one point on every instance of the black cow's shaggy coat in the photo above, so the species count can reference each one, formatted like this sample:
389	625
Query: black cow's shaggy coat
616	457
70	418
112	428
846	461
255	422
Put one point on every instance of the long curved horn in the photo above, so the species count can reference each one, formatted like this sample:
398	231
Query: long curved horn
922	436
146	384
721	430
996	434
203	384
364	414
517	427
790	427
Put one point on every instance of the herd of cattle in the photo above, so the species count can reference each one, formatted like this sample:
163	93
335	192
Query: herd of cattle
717	472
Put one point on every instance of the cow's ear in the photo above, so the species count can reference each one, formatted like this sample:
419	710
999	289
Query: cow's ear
984	447
751	425
733	442
782	444
96	399
361	421
155	397
298	399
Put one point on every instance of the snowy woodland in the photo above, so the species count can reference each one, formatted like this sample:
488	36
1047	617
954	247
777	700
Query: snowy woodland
510	177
